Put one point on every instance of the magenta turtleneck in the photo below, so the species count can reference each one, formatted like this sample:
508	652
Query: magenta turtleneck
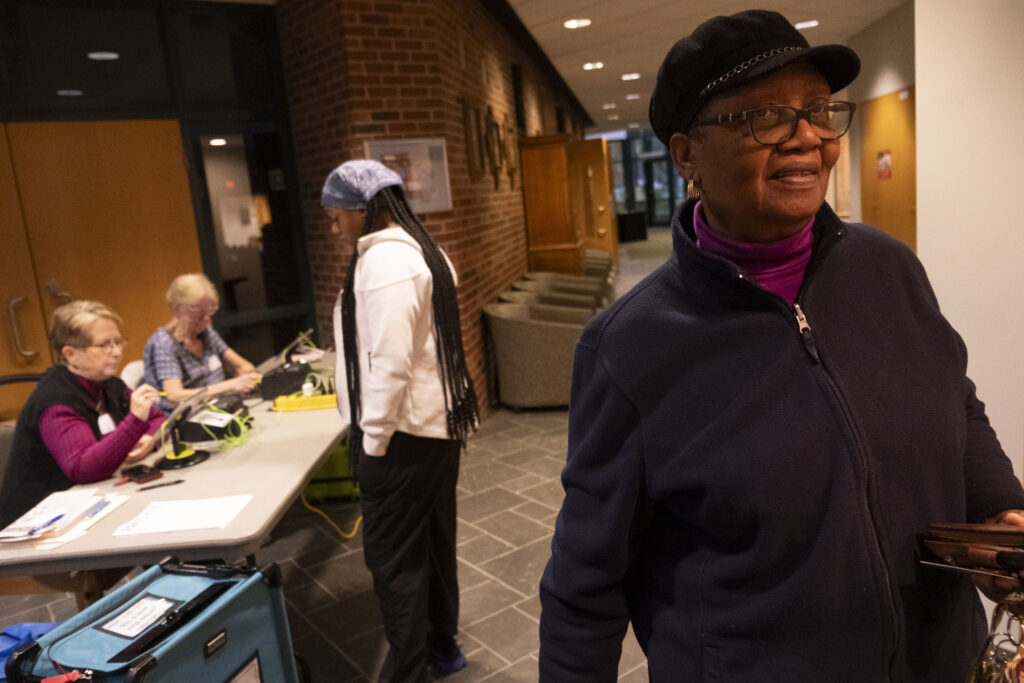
777	266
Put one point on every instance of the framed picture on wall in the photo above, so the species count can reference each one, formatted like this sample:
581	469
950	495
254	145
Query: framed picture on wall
510	143
493	146
423	165
474	139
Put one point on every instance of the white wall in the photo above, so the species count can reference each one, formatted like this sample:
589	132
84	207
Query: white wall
886	51
970	152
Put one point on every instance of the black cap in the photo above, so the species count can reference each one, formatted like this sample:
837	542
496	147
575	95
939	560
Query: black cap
724	52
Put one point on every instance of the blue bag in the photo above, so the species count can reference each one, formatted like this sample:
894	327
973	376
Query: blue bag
15	636
175	622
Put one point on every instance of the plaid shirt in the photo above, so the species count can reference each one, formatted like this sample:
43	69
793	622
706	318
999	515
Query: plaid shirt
167	358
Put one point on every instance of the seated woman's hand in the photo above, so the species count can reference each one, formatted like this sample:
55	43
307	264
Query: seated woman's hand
243	384
1010	590
142	400
141	449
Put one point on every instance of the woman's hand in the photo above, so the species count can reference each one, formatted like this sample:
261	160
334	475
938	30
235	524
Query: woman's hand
1006	591
142	400
141	449
242	384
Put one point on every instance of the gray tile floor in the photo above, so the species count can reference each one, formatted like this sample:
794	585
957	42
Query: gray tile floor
509	494
508	498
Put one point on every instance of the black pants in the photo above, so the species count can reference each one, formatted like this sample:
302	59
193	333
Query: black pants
408	499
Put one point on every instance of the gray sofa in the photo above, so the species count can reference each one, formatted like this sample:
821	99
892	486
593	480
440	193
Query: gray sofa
533	348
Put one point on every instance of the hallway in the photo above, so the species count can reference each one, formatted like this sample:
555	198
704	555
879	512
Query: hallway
509	495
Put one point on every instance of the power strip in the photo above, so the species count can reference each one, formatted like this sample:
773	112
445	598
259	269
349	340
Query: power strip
292	403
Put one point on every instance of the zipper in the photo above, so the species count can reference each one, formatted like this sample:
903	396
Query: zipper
808	340
805	333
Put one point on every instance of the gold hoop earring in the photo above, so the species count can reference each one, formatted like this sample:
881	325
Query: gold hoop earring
692	189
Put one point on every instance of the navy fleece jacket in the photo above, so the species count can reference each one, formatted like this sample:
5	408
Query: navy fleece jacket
746	479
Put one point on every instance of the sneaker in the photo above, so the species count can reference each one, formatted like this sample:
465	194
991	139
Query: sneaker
440	667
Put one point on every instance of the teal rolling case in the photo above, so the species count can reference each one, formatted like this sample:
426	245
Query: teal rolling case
174	622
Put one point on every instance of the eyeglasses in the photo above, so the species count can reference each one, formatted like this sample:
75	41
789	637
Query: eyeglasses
109	345
203	310
773	124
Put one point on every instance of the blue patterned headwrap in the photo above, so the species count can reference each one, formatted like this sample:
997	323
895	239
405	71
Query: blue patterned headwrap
351	185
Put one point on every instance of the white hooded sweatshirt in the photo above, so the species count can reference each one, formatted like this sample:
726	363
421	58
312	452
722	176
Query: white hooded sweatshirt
400	379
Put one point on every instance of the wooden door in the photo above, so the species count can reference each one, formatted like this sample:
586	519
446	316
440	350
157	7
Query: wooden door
108	215
603	232
553	242
22	332
888	166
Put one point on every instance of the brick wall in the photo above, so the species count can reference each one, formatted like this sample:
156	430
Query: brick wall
359	70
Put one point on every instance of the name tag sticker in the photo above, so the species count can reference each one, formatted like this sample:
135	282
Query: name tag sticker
106	423
214	363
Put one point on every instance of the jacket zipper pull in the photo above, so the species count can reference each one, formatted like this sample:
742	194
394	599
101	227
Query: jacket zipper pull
801	319
805	332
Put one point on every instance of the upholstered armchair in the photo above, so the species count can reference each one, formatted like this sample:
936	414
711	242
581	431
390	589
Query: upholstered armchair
594	291
513	296
533	348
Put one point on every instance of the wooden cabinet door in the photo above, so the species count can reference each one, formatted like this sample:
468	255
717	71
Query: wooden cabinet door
553	207
108	215
602	228
23	345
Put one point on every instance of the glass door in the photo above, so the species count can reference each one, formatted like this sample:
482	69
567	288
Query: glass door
253	249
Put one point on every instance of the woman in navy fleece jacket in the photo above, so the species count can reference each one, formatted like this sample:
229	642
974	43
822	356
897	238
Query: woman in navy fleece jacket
760	429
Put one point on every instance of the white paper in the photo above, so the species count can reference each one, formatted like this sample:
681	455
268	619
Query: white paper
213	418
68	505
185	515
140	616
114	501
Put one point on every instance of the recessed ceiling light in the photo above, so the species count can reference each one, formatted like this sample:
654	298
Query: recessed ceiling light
101	56
576	23
630	77
805	24
608	105
590	66
633	96
634	125
218	142
613	117
70	92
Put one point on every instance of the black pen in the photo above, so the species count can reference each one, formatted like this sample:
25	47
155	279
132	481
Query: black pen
166	483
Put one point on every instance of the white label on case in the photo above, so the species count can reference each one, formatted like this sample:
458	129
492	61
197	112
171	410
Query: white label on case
140	616
250	673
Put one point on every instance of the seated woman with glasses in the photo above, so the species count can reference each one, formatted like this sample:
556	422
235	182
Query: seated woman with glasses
759	430
188	354
81	423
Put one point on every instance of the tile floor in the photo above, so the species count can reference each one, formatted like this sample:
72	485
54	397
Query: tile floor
509	495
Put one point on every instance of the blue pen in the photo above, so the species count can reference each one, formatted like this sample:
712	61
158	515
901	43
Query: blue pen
96	508
44	526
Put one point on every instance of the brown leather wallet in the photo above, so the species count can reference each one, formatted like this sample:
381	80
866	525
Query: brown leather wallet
984	548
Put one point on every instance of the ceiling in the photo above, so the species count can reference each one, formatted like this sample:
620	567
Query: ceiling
632	36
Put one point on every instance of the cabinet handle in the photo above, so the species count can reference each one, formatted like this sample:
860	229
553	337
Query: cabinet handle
14	328
57	291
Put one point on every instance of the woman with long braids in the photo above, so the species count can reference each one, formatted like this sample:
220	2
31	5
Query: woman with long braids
410	407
